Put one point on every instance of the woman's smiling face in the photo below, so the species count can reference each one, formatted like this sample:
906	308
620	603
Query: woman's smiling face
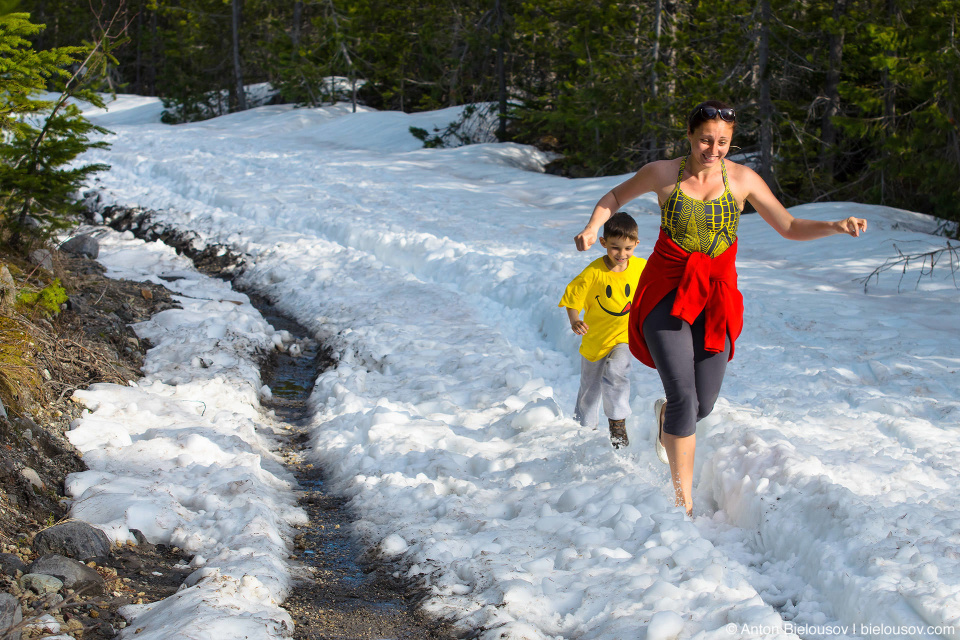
710	142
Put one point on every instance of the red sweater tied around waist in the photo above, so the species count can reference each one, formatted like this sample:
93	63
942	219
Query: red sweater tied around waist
702	283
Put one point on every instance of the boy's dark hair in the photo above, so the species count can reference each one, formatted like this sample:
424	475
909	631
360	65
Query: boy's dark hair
621	225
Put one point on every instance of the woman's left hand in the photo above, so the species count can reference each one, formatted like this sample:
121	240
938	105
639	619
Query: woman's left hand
852	225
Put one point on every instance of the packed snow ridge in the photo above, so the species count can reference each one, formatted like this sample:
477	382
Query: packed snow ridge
825	501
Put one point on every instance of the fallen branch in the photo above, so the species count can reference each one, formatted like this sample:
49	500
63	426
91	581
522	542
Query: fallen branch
928	261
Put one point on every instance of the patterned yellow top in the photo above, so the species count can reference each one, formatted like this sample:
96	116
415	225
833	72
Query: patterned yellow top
695	225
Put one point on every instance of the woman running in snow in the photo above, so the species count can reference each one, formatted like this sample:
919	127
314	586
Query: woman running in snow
688	312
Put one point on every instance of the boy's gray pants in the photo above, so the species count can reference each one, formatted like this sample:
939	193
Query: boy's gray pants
607	378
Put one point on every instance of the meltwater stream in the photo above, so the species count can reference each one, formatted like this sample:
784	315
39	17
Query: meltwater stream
345	600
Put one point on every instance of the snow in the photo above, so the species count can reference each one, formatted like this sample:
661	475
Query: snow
125	109
824	501
185	454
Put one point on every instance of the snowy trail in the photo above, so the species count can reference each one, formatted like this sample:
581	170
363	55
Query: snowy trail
825	471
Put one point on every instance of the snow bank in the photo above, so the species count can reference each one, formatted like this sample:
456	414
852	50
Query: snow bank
824	501
185	456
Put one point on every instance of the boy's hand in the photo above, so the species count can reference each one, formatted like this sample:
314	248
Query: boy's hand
579	327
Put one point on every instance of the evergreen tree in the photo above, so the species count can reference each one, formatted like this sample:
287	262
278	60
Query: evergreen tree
837	99
907	103
318	44
44	135
582	81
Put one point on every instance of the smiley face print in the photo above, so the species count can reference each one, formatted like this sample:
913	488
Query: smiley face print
614	300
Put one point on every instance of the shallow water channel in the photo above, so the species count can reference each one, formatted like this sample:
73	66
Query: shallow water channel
346	599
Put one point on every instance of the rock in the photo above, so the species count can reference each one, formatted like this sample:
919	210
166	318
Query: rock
74	539
10	614
75	575
52	600
43	258
32	223
10	563
76	305
45	624
32	477
3	411
5	278
25	422
141	539
40	583
8	288
82	245
74	626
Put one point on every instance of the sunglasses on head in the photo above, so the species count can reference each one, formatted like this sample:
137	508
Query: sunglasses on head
726	114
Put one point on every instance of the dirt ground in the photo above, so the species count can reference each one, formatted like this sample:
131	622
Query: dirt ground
89	341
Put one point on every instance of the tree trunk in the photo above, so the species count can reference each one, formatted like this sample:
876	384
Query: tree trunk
501	75
138	64
653	143
154	58
39	14
237	67
828	131
657	29
889	105
671	14
295	29
766	104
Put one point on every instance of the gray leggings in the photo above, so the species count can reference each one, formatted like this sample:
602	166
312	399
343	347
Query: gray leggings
691	376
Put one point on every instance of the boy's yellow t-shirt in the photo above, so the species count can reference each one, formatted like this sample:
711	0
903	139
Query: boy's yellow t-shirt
605	297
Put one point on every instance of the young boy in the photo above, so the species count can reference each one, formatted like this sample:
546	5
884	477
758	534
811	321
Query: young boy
604	291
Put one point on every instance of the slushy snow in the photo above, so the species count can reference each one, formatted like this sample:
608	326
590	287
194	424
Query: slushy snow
825	501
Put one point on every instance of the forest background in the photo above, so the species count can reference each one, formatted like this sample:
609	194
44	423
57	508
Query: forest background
844	100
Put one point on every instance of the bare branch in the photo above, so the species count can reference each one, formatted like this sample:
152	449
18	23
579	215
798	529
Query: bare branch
928	261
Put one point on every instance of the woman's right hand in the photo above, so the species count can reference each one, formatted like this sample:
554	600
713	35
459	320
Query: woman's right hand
585	239
648	178
852	226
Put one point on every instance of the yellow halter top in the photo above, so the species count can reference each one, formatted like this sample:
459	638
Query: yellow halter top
695	225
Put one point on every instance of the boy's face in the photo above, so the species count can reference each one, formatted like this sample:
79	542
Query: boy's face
619	250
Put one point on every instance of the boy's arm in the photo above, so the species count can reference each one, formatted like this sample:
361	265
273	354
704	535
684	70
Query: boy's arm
579	326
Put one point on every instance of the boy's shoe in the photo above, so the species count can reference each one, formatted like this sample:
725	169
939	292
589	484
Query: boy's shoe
658	411
618	433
